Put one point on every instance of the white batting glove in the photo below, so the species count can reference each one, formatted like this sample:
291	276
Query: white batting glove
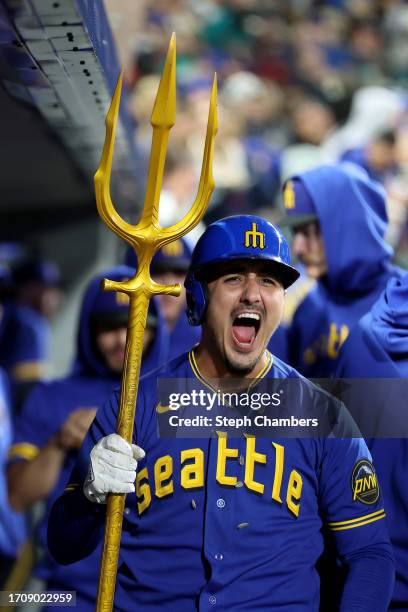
112	468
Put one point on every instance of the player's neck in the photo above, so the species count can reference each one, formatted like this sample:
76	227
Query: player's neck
213	366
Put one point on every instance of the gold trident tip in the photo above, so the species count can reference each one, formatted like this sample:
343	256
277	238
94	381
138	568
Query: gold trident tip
164	109
148	236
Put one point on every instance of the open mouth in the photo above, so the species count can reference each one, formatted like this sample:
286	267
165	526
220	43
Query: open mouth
245	327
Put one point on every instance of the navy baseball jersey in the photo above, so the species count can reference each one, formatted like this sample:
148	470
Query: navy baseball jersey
228	523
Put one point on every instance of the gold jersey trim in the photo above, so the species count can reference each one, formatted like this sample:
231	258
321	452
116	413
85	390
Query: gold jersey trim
357	522
255	381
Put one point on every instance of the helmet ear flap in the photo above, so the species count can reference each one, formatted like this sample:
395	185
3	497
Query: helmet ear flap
197	299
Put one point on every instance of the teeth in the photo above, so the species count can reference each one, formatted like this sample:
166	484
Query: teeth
249	315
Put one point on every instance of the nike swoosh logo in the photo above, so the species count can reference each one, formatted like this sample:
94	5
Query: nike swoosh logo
160	409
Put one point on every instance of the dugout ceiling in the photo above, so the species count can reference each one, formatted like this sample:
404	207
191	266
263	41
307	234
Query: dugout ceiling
58	69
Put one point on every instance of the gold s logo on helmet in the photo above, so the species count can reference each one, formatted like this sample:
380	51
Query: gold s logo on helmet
289	196
252	236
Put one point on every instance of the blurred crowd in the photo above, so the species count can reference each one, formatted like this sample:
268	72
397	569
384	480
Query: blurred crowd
300	83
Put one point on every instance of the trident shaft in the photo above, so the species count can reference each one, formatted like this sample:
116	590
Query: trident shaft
146	238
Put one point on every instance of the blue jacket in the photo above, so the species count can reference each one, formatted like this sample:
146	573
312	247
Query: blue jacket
352	216
377	347
48	407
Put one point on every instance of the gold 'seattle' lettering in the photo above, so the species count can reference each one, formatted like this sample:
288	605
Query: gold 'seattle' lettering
143	494
192	474
225	453
191	465
253	457
163	471
294	492
277	481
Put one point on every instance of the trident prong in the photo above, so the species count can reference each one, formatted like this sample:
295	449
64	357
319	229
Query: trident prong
103	174
146	238
206	184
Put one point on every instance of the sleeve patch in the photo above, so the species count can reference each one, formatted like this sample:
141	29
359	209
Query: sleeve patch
364	483
357	522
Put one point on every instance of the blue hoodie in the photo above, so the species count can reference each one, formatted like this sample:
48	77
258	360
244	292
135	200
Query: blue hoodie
87	360
46	409
351	211
377	347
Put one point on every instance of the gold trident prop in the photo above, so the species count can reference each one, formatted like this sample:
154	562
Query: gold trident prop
146	238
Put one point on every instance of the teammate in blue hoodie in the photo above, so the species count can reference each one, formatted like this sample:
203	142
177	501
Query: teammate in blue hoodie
223	522
57	414
339	220
377	347
169	266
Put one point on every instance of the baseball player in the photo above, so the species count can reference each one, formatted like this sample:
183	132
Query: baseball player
169	266
377	347
57	414
339	220
222	522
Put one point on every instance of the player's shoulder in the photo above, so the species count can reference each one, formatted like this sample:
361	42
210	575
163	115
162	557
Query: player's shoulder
316	401
281	369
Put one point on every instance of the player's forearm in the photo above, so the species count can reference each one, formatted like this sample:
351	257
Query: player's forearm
32	481
370	580
75	527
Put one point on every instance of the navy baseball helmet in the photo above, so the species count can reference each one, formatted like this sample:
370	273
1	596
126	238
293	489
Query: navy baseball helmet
239	237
